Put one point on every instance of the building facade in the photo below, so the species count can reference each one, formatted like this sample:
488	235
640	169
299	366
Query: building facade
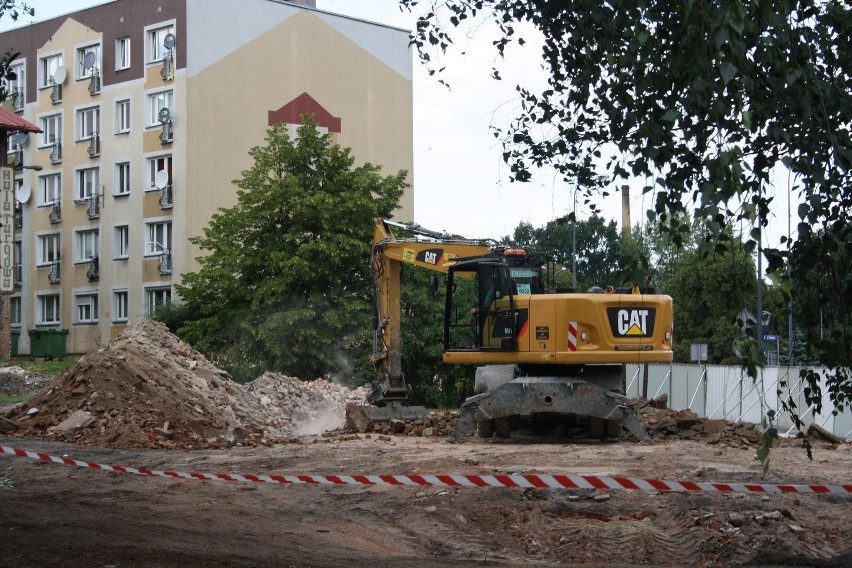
148	111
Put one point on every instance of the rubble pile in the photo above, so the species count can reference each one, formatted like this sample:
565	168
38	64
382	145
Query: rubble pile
297	408
662	423
14	380
149	389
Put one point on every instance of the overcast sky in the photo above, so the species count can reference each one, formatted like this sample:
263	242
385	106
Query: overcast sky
461	183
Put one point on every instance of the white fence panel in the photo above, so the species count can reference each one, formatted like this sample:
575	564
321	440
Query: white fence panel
718	391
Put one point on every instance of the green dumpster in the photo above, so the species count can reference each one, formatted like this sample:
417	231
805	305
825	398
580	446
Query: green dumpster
16	334
48	343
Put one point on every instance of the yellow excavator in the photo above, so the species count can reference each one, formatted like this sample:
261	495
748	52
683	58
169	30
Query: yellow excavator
544	357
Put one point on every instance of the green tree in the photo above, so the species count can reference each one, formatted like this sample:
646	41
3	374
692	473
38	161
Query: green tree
597	252
285	284
434	383
705	100
708	292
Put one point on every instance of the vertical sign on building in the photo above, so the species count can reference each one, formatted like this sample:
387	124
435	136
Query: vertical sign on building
7	228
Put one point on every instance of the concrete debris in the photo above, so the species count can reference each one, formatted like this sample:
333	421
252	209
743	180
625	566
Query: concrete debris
149	389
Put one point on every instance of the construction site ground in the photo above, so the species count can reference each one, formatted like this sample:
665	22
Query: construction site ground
149	401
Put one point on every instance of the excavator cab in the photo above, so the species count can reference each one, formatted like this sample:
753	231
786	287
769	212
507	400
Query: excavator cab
480	309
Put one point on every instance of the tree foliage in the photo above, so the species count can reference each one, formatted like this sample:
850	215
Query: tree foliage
705	101
285	283
597	251
14	9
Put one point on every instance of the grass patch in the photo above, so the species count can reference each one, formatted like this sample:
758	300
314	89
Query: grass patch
13	398
50	368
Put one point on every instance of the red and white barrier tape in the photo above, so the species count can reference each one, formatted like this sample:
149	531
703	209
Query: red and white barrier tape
528	480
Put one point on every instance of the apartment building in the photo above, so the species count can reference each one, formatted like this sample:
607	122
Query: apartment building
147	111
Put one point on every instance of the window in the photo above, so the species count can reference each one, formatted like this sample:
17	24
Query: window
50	189
122	116
156	103
120	307
122	53
15	310
88	122
84	72
122	241
47	248
47	309
47	67
86	245
16	83
158	164
51	127
156	39
87	183
86	307
155	297
122	178
158	237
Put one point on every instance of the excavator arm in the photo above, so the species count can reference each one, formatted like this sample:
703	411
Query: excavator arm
428	249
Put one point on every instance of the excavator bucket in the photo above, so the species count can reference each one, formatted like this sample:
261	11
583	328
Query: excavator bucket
362	418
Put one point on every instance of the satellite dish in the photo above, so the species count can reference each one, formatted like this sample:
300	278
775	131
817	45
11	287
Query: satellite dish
59	75
169	41
164	115
161	180
89	60
19	138
23	193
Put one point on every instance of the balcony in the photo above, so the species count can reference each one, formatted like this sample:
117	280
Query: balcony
93	273
53	277
94	210
95	83
56	94
167	135
166	197
19	275
17	96
56	212
94	146
166	263
56	153
15	157
168	70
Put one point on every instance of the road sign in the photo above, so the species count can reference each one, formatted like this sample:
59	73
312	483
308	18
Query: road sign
770	338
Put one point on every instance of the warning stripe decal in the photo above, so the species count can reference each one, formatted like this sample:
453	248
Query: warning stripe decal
539	481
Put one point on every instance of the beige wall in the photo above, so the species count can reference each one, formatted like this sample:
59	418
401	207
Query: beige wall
229	101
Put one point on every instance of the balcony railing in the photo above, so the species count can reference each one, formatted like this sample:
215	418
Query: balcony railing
17	157
56	94
93	273
56	212
17	96
53	277
168	70
19	274
166	263
94	146
56	153
167	135
166	197
95	84
94	210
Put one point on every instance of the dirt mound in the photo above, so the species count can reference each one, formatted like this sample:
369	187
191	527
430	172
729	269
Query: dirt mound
149	389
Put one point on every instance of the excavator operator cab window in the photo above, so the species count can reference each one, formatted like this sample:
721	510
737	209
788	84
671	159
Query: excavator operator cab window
480	308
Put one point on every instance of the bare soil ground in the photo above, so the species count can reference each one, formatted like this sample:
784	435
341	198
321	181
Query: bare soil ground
149	401
56	515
